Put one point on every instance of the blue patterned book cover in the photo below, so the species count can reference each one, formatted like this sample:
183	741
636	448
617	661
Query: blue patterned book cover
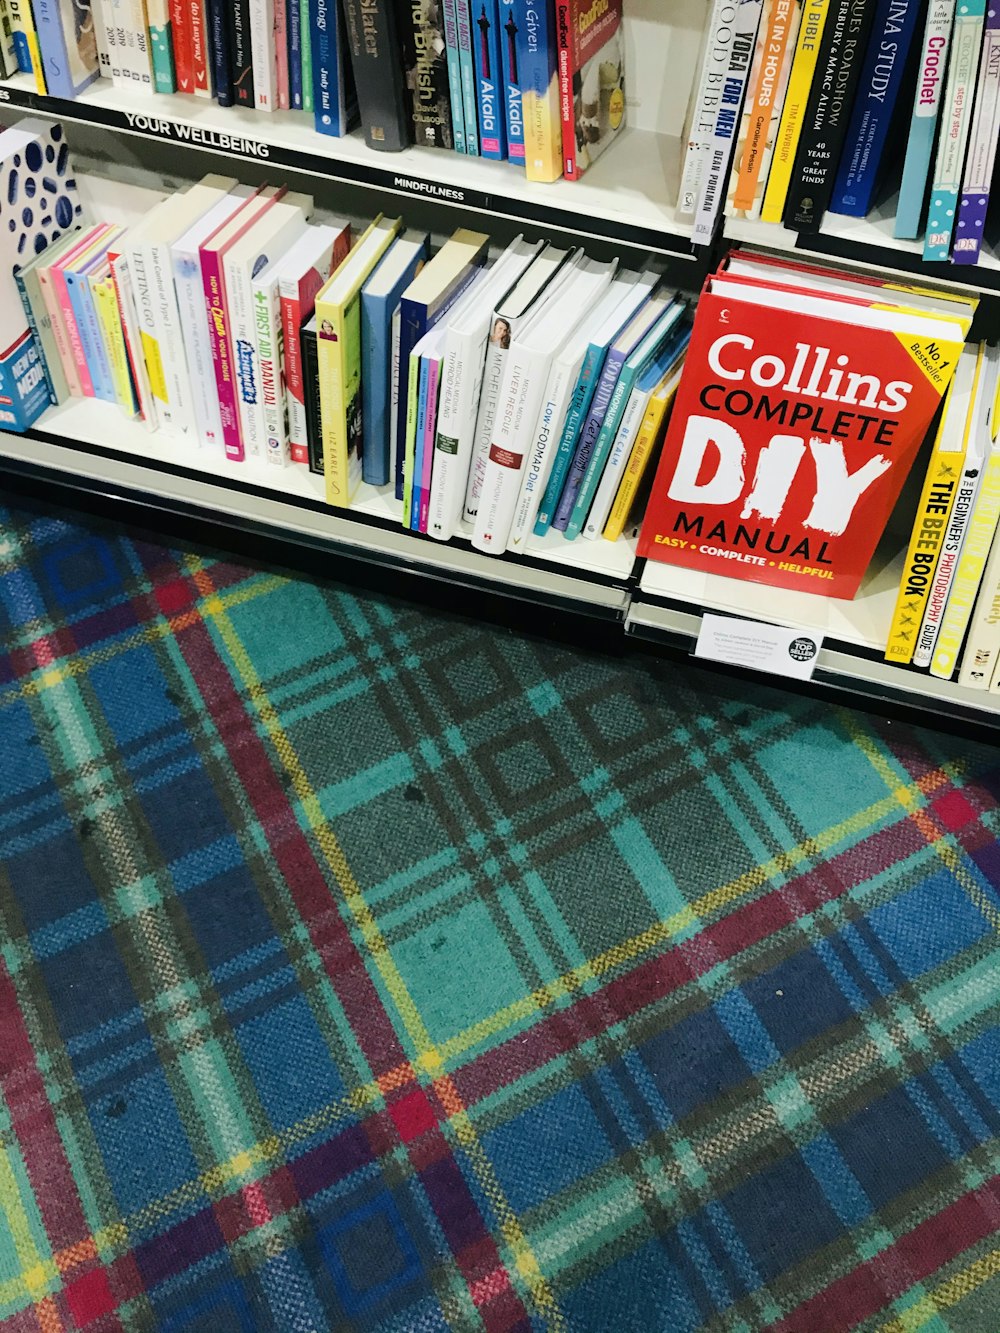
38	203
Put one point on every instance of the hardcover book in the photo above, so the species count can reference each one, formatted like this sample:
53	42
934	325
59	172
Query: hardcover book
425	66
591	79
376	58
791	438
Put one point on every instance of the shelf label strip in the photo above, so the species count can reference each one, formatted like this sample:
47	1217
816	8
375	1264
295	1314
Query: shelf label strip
759	646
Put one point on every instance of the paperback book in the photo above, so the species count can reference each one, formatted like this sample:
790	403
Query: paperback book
591	79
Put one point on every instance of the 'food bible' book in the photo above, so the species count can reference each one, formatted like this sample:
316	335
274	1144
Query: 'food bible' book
791	438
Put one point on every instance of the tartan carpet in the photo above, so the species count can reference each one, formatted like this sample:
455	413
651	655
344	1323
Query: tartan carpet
368	970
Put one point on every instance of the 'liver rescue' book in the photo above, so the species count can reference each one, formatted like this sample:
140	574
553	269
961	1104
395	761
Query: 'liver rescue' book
791	437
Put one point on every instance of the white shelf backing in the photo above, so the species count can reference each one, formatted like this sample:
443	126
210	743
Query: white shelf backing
627	196
583	571
868	243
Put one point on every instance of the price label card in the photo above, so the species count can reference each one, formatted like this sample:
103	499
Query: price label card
762	647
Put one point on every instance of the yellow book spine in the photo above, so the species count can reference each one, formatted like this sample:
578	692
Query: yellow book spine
642	452
799	84
331	331
109	318
968	575
761	102
943	473
35	51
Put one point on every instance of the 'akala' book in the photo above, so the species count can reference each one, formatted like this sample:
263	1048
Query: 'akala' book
791	437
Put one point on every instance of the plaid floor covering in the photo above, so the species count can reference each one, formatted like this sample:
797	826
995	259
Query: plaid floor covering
364	969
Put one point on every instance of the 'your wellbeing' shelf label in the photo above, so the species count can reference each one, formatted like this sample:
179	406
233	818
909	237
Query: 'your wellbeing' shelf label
759	646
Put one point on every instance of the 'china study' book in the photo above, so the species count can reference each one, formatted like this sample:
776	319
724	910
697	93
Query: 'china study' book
791	438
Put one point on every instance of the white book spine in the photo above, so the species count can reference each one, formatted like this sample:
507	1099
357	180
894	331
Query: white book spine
614	469
953	137
979	164
489	399
715	175
538	462
704	109
525	380
243	348
169	333
132	43
982	649
951	553
262	52
193	315
461	384
131	327
268	331
144	291
102	36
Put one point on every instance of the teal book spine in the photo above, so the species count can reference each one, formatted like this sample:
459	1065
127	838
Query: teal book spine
468	69
418	445
305	55
161	51
583	396
78	290
924	121
454	75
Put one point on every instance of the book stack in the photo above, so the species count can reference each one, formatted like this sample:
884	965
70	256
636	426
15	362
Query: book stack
537	84
791	439
495	397
835	106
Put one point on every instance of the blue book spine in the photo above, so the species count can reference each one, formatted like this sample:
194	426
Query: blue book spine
613	363
329	104
52	42
454	75
29	315
85	315
468	68
583	396
881	78
418	444
295	55
376	370
924	121
24	395
489	80
218	27
22	51
513	113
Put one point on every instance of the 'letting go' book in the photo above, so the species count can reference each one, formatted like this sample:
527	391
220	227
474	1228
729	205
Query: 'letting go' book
791	437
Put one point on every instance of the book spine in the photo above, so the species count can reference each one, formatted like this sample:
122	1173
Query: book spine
951	551
828	113
704	109
489	78
136	41
163	43
979	167
60	335
589	435
220	45
76	348
489	401
419	444
170	335
373	43
262	53
60	81
128	313
537	62
294	11
305	40
245	362
201	58
334	394
650	433
566	63
34	50
982	647
268	331
99	10
513	110
282	80
240	57
968	575
114	344
965	45
924	120
85	319
467	65
33	325
599	456
215	300
881	79
197	344
292	320
538	458
180	32
328	105
617	463
715	175
310	372
461	377
22	49
583	396
426	64
375	355
427	461
768	96
410	441
412	327
803	70
454	74
393	381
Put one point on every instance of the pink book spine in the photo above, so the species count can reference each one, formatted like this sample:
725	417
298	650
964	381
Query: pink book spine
281	90
218	321
72	332
59	333
291	322
430	424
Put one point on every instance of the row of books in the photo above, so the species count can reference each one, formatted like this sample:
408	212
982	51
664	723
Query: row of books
805	107
947	616
538	82
497	399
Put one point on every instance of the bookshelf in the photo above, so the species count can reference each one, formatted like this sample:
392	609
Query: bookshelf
625	202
